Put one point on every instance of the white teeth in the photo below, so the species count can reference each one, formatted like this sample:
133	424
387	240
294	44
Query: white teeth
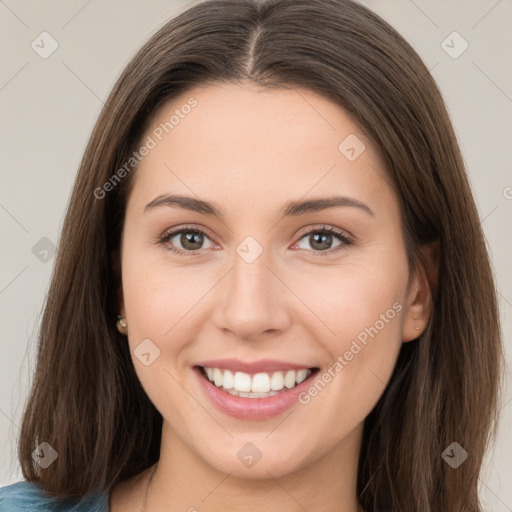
252	395
242	382
301	376
289	379
277	381
259	385
218	377
229	380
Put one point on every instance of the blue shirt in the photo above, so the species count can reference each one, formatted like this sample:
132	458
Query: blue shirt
29	497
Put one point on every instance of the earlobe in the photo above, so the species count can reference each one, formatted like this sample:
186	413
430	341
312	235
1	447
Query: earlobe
420	301
120	301
121	323
418	311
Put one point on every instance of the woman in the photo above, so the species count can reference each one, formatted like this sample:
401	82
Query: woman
272	290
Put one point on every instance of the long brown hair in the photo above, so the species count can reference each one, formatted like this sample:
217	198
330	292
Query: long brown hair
86	400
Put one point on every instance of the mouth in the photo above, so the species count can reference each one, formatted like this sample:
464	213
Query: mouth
256	385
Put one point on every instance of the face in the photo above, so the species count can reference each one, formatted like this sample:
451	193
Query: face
253	276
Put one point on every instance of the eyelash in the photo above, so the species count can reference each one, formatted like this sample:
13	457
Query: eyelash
344	238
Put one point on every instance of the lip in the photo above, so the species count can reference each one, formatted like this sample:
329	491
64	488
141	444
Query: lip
252	408
263	365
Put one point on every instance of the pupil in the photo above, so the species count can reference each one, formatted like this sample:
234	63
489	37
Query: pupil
191	238
321	238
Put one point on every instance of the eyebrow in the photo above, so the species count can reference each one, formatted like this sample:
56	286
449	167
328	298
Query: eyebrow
290	209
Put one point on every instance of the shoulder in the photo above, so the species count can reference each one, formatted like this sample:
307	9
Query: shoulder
29	497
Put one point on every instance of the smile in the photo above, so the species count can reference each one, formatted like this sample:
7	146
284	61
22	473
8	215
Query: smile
238	394
259	385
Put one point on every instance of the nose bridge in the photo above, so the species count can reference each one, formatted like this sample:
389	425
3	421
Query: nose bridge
250	277
251	303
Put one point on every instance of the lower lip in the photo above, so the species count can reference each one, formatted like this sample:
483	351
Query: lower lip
252	408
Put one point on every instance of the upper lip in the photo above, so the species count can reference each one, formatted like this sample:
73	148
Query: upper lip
251	367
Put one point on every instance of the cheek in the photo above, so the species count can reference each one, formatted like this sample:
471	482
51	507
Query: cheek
358	316
159	303
351	299
157	292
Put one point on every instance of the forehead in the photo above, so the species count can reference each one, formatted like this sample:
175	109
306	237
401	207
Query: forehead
245	141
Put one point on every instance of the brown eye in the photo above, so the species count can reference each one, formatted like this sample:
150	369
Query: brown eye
321	240
185	240
191	240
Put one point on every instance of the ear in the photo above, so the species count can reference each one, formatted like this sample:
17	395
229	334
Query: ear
120	301
419	296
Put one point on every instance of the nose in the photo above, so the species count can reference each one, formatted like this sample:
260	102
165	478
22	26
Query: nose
251	301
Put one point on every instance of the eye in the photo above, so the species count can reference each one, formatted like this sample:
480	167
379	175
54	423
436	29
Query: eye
321	240
190	239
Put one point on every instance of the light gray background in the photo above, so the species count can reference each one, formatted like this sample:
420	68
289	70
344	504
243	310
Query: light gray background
49	106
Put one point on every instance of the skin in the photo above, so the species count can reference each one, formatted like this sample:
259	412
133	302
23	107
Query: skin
250	151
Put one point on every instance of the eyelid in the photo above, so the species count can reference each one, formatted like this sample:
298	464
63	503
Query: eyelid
344	237
325	227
